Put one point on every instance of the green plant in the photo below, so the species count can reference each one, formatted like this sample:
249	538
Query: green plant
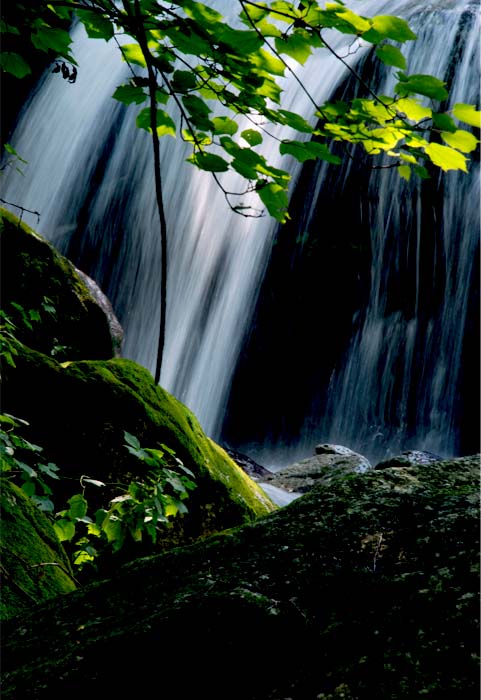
14	450
17	319
142	507
145	506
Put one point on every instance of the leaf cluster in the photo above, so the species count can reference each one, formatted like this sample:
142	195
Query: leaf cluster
143	507
200	61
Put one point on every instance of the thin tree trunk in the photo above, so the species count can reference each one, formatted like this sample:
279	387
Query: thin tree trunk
141	37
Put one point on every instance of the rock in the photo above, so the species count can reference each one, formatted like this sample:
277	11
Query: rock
365	588
256	471
33	562
62	312
116	330
78	412
405	459
330	461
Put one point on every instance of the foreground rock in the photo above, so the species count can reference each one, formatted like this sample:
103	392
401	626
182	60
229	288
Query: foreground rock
66	314
363	589
330	461
34	565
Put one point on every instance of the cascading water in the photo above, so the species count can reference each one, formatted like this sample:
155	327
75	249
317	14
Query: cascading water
399	275
90	177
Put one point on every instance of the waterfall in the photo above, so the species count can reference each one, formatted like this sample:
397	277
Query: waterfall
89	174
386	357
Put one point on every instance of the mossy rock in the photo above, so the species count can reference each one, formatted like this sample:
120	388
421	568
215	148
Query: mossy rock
65	318
33	562
364	588
78	412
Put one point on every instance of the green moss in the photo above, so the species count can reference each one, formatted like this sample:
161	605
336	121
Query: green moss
34	564
31	271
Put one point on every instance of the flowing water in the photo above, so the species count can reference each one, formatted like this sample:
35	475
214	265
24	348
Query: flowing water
89	175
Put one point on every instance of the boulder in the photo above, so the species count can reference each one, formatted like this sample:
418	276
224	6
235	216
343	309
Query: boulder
55	308
408	458
364	588
328	462
78	412
34	564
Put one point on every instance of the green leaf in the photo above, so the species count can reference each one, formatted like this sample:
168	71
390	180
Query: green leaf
404	171
132	53
114	532
413	110
311	150
83	557
296	45
199	112
130	94
391	56
444	122
198	137
243	42
253	137
200	12
56	40
31	473
244	169
183	80
8	28
462	140
50	469
14	64
43	503
28	487
64	529
267	62
165	123
97	26
224	125
34	315
94	529
78	506
421	85
295	121
131	440
274	197
445	157
390	27
359	24
254	14
467	114
209	162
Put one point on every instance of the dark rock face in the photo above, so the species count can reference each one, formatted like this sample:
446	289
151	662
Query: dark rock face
363	589
65	315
